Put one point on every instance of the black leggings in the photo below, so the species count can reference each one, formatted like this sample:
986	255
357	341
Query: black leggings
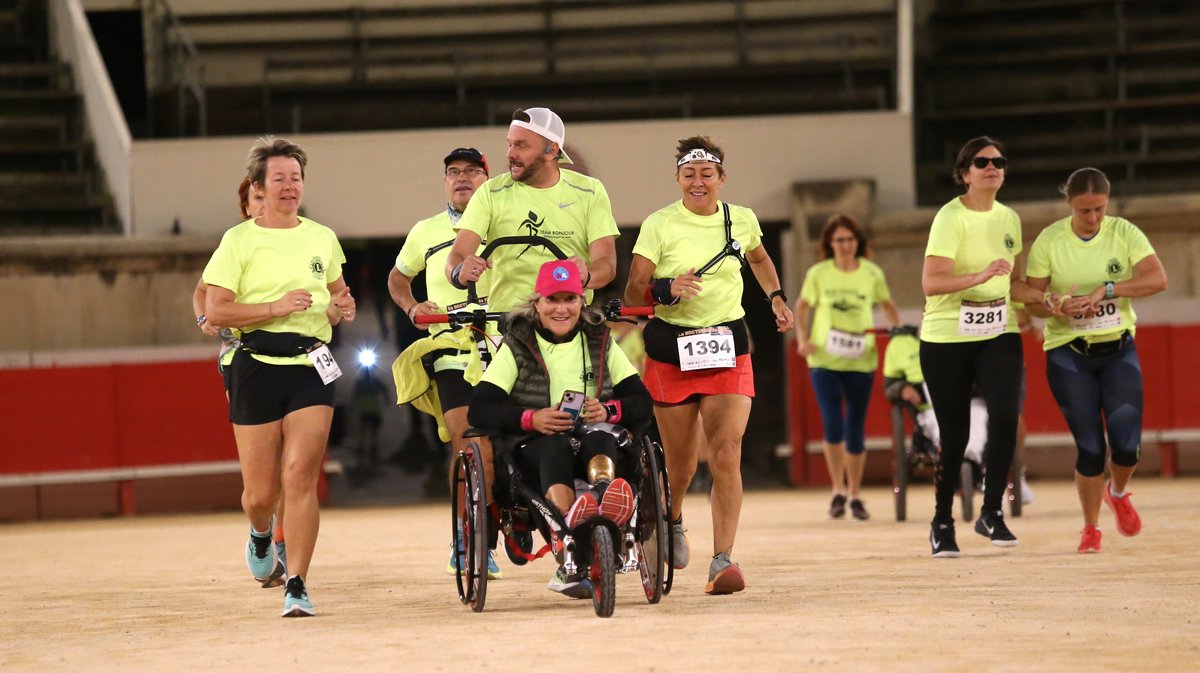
549	459
952	370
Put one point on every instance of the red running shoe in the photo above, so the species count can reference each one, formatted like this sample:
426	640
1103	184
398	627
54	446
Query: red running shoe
1089	540
1128	521
585	507
617	503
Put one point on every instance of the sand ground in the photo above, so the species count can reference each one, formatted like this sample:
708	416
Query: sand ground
173	593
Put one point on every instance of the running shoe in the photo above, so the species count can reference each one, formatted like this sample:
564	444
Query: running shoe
1089	540
991	525
295	601
1128	521
260	554
572	586
837	506
679	543
858	510
493	569
617	503
584	508
457	557
941	539
724	576
278	577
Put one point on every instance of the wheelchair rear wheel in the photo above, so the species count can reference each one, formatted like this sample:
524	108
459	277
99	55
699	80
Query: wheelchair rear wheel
653	523
966	478
471	574
901	466
1016	498
603	572
668	514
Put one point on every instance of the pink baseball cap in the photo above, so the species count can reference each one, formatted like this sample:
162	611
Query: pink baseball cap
558	276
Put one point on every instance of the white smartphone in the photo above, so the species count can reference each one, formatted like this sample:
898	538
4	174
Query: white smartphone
572	403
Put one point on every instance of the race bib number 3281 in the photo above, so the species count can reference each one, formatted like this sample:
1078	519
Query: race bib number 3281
706	348
983	318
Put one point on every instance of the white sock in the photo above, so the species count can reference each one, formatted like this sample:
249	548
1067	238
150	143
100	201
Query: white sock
1113	491
256	533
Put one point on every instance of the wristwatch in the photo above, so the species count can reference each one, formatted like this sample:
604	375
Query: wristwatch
1109	289
201	319
777	293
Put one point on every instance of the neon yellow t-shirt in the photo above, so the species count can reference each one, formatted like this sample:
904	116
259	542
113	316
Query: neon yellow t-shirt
565	362
572	214
415	257
1068	261
973	240
902	359
260	265
677	240
843	301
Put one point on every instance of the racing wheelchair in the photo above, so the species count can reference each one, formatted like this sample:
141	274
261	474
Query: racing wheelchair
596	548
917	452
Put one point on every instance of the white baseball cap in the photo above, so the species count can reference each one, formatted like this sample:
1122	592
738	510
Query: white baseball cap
548	125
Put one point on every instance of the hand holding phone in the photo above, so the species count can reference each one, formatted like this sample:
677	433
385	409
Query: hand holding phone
572	403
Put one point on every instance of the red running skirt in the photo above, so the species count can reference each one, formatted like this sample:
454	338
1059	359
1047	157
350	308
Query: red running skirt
670	385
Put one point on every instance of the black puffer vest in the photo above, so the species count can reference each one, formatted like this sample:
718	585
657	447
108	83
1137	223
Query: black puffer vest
532	389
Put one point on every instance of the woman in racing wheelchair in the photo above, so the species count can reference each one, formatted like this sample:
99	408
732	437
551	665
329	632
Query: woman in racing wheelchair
556	349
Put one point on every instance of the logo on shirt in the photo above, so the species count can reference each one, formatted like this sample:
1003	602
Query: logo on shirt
533	223
317	267
1114	267
844	306
566	205
1009	243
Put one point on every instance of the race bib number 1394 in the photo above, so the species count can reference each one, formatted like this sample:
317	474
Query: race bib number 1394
706	348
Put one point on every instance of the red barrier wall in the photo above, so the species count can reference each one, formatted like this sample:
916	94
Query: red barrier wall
110	416
1170	359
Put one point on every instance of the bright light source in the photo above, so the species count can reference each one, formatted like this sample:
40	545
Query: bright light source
366	357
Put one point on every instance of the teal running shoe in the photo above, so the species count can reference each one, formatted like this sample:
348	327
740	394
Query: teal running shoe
279	576
295	601
260	554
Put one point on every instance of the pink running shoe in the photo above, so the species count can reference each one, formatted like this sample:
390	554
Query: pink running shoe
585	507
1089	540
617	503
1128	521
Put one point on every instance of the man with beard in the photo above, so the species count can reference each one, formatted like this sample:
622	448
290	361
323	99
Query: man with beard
535	198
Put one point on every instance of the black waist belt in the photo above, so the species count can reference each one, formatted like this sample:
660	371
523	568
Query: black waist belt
1099	349
661	338
278	344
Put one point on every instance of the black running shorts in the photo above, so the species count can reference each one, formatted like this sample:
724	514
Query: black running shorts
262	393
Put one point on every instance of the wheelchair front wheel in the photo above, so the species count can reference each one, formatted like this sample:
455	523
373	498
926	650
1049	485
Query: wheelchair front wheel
603	572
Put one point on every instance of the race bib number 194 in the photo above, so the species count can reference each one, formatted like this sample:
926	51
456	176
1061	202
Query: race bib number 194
325	365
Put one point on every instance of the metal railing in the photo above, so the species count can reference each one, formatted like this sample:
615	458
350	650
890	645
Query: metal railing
173	61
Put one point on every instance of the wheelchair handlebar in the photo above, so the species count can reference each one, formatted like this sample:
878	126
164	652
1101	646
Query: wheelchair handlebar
612	311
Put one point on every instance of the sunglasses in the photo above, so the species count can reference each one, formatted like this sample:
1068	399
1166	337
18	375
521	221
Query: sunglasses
982	162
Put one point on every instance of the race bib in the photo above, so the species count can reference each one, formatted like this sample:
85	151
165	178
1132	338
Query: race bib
982	318
845	344
1107	315
324	363
706	348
